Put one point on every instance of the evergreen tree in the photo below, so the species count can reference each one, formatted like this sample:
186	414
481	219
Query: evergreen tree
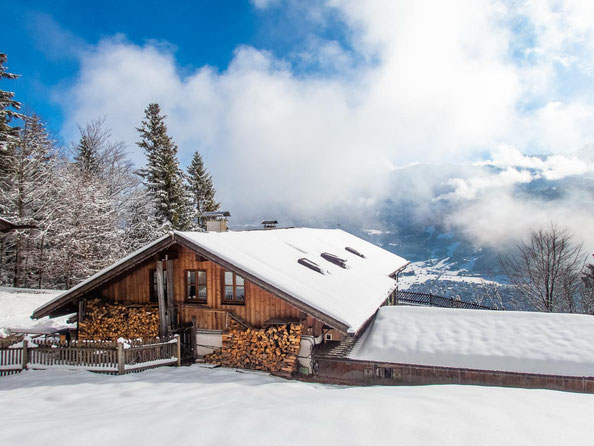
162	176
86	157
588	293
7	132
201	189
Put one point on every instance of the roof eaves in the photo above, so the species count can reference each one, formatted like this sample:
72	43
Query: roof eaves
103	276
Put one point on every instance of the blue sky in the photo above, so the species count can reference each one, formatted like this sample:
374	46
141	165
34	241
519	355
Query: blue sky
305	108
44	39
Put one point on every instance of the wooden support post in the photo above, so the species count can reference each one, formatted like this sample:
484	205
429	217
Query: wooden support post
161	300
171	319
121	359
25	356
193	334
178	345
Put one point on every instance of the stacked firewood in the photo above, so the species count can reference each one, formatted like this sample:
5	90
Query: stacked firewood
272	349
110	321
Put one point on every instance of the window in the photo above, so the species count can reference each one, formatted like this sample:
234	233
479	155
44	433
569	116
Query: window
196	286
233	287
154	296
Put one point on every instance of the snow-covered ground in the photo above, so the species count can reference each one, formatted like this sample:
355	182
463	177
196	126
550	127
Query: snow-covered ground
17	305
424	271
513	341
194	405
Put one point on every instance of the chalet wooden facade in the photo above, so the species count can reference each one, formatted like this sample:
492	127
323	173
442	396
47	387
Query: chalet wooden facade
328	282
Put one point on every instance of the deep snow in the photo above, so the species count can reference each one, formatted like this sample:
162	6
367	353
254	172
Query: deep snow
513	341
200	406
17	305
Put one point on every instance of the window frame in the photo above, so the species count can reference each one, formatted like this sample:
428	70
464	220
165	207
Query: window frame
235	301
197	300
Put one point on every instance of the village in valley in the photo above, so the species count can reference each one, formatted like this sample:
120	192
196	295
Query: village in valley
299	226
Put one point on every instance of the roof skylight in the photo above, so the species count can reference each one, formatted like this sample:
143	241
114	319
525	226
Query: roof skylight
354	251
334	259
311	265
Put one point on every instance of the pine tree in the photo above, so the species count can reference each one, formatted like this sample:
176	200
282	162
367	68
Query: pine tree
201	189
162	176
7	132
86	157
588	292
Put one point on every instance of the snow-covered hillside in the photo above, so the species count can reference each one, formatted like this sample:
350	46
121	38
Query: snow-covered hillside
194	405
17	305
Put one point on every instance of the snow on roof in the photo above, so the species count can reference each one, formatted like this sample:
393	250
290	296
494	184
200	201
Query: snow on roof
349	295
543	343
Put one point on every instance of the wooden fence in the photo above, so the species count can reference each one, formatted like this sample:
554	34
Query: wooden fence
96	356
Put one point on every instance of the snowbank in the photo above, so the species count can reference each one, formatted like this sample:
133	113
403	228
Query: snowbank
193	405
557	344
17	305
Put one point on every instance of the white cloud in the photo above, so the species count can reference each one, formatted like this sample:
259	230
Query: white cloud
428	81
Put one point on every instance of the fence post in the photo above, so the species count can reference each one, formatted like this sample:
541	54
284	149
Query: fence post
178	339
121	361
25	356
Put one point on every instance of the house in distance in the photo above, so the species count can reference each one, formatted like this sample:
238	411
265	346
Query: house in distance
300	286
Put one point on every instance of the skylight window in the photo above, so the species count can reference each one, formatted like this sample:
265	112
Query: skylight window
354	251
311	265
334	259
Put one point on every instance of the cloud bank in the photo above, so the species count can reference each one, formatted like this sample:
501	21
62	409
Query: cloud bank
321	131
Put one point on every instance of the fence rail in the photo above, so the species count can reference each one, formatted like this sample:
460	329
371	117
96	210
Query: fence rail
96	356
412	297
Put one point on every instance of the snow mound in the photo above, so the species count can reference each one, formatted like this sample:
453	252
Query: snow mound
17	305
543	343
193	406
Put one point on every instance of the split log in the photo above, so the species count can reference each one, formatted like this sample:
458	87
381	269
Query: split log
272	349
109	321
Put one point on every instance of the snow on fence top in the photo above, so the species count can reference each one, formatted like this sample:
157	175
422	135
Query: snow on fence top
543	343
349	294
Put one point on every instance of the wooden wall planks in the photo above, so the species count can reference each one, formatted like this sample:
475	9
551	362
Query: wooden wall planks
260	305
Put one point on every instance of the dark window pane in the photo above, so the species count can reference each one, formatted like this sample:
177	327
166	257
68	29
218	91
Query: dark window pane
239	293
202	277
192	277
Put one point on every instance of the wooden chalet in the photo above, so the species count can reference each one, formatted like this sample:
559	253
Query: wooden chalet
328	282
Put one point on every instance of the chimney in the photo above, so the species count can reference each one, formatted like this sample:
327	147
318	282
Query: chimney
216	221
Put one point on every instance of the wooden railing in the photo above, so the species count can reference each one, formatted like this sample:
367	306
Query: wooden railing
428	299
96	356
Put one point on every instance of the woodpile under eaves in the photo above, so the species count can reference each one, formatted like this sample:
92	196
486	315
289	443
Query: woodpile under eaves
271	349
110	321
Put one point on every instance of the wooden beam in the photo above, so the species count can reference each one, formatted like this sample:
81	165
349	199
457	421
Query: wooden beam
161	299
171	319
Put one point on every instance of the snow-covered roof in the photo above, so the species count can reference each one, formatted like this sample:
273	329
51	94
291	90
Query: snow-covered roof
349	295
512	341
